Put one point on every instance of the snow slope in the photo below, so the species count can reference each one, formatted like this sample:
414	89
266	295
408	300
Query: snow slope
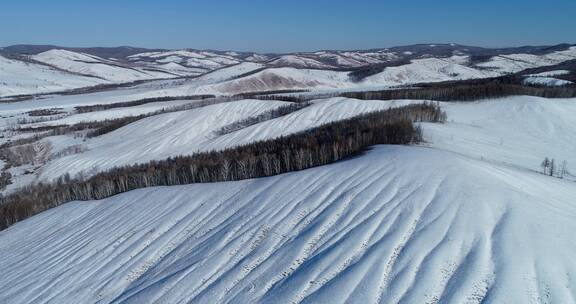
172	64
299	61
187	132
356	59
520	131
282	79
517	62
203	60
94	66
546	81
158	88
551	73
157	137
19	77
396	225
428	70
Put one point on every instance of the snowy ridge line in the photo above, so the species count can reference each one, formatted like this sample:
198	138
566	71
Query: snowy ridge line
315	147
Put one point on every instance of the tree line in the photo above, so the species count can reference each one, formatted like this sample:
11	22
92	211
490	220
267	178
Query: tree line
314	147
465	91
133	103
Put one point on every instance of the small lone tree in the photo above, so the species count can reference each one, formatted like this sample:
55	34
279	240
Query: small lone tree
564	169
545	165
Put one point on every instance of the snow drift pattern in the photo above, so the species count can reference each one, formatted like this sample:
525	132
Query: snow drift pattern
400	224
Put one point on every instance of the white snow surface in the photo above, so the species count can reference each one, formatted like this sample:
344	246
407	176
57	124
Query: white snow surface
428	70
515	131
184	133
551	73
299	61
282	79
19	77
464	218
396	225
94	66
191	59
546	81
518	62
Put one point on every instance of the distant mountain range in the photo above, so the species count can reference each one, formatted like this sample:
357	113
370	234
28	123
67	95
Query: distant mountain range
34	69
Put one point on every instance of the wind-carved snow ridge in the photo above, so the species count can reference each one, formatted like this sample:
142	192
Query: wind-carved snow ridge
369	229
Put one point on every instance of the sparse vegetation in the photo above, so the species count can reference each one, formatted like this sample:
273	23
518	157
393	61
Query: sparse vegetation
45	112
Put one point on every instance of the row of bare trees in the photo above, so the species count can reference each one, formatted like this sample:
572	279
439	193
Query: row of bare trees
133	103
318	146
469	90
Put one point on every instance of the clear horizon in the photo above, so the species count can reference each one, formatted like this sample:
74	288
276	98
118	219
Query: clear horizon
282	27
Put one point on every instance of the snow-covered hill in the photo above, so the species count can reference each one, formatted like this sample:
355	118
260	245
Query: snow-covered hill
187	132
18	77
324	70
282	79
193	62
399	224
428	70
298	61
464	217
97	67
517	62
488	129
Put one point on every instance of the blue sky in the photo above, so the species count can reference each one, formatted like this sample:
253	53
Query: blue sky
278	26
